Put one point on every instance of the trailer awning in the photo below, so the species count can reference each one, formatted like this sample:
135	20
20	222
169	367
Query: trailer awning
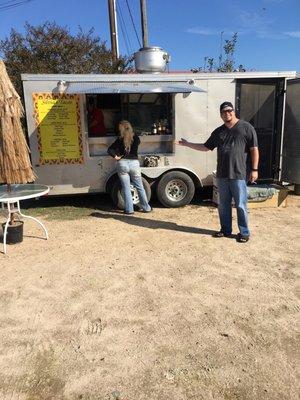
131	87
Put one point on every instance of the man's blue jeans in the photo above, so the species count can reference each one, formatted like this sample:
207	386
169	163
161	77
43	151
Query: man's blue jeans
237	189
129	170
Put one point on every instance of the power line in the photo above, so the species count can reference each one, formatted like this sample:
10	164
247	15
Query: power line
12	4
123	22
124	37
134	27
6	6
4	3
124	30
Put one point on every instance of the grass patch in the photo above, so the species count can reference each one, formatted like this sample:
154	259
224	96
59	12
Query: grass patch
66	207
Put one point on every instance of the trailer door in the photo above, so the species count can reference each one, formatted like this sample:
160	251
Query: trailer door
291	137
260	102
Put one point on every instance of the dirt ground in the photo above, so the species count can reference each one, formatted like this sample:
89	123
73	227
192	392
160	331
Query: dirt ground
150	306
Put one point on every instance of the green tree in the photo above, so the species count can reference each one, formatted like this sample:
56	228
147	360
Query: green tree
229	49
210	64
228	65
51	49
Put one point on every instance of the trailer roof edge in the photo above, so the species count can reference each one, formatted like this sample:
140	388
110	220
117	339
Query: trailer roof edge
158	77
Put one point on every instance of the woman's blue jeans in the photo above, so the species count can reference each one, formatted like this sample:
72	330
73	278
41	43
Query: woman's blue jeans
237	189
129	170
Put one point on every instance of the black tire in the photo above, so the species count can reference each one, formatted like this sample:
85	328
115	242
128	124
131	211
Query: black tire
117	194
110	184
175	189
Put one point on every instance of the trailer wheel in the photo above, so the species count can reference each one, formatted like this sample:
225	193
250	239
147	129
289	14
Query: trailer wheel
175	189
110	184
118	196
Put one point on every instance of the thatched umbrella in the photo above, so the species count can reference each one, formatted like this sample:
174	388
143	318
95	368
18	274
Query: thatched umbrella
15	165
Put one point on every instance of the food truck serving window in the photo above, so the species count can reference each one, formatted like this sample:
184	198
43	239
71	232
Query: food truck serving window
149	113
103	114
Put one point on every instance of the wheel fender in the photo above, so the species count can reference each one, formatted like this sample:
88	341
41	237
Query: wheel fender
196	179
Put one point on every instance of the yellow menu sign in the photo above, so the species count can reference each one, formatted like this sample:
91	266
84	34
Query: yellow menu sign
57	119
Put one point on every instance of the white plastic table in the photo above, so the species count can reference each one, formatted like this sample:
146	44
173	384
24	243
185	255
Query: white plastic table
10	201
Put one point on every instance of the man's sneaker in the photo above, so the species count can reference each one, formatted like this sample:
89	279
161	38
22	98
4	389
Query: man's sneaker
221	234
242	239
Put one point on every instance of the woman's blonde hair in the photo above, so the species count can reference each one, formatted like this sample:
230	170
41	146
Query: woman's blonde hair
126	132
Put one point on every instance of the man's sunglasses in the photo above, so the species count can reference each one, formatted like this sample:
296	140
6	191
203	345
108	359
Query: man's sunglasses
226	111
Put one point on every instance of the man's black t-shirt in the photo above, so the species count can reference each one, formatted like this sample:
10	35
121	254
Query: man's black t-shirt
233	146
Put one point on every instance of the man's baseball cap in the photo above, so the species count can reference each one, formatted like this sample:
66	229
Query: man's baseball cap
226	106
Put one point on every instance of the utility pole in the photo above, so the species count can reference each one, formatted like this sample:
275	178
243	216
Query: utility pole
144	22
113	29
221	49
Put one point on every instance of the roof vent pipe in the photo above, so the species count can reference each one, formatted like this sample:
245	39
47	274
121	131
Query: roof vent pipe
149	59
144	22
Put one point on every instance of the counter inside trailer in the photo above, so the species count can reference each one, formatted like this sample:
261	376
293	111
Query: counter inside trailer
159	144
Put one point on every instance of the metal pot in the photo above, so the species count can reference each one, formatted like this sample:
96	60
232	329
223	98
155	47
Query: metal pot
151	60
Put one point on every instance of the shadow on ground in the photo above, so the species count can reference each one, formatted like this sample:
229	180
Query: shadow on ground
151	223
102	201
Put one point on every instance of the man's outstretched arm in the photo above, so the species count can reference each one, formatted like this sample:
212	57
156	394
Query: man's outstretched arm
194	146
254	164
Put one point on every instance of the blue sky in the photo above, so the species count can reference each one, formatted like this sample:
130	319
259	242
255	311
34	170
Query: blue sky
190	30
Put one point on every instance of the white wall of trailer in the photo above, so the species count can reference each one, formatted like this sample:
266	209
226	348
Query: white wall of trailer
196	116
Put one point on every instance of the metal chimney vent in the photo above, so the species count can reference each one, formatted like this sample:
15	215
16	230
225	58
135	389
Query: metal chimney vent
151	60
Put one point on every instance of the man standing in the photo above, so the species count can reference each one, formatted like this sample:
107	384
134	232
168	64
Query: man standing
237	162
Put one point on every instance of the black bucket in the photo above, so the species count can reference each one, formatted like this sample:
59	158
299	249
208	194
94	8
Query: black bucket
14	232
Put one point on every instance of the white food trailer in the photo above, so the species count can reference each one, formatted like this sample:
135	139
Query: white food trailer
162	108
